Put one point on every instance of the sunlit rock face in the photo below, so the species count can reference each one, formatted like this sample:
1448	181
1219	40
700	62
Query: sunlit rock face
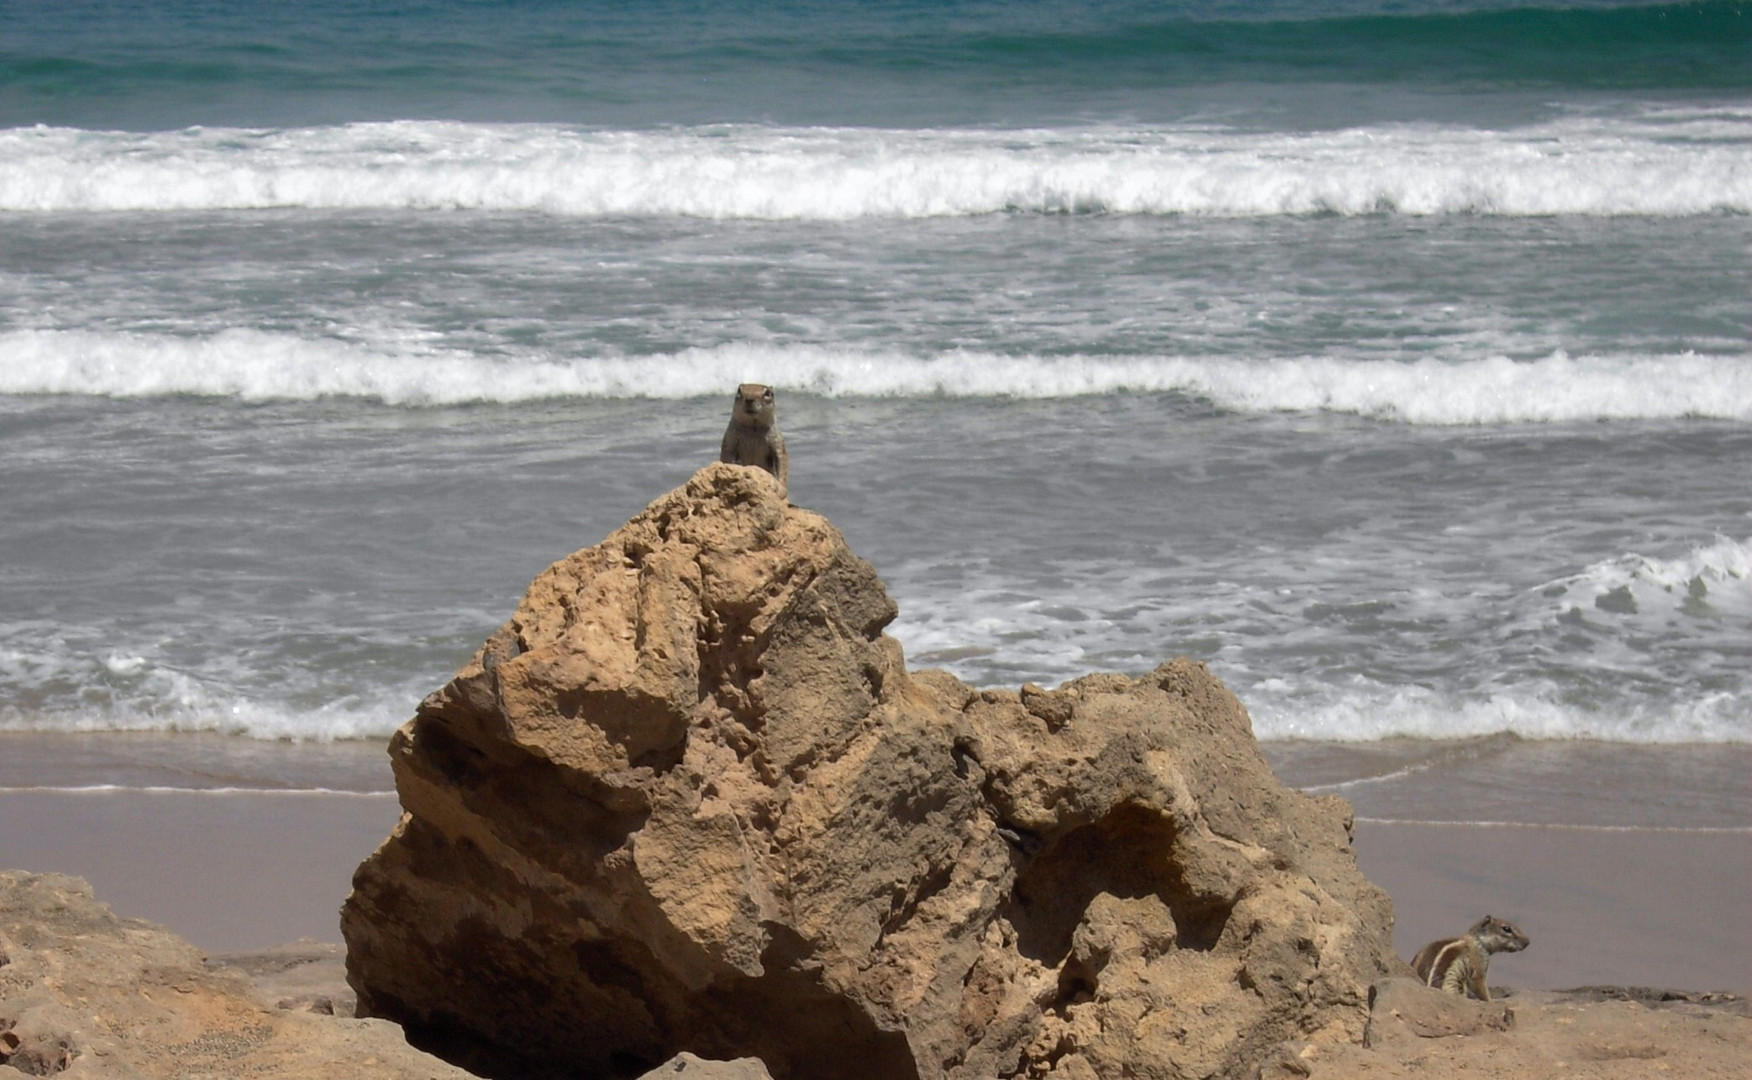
689	799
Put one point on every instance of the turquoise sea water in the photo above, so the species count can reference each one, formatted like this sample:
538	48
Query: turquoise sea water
911	64
1394	359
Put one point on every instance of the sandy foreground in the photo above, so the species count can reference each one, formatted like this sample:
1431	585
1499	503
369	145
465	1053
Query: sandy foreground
241	872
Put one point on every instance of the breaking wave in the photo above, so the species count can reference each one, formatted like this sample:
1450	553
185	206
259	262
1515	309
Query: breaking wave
257	366
1677	163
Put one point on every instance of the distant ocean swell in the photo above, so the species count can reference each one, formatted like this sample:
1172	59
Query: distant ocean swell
1676	164
1693	44
257	366
584	52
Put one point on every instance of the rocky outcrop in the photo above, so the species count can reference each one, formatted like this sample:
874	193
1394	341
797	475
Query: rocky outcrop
690	1067
86	994
688	798
1403	1009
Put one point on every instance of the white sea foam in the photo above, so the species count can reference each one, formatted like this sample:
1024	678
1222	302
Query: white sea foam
1360	710
1304	705
160	789
1364	711
54	683
235	716
1633	649
1699	830
256	366
1711	580
1658	165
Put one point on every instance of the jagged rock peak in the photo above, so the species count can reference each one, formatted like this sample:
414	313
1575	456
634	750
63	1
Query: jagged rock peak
688	798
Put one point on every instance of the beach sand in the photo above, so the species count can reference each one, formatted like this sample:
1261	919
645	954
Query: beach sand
1620	908
227	871
232	843
225	842
1626	865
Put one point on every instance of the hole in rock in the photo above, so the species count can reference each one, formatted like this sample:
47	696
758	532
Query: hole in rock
1127	854
518	1015
460	764
619	1015
800	1028
1076	983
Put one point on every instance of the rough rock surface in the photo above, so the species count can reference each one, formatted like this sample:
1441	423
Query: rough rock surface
86	994
1404	1009
690	799
690	1067
1604	1033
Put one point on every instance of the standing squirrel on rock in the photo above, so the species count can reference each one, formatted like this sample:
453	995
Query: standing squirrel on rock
1457	965
753	435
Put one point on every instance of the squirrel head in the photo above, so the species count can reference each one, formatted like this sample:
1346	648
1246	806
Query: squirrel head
753	405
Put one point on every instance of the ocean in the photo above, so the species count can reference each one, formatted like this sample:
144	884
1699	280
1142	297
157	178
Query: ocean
1392	358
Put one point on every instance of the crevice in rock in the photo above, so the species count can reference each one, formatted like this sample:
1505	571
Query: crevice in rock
914	807
648	728
802	1028
42	1055
456	762
963	751
1076	984
561	809
1129	853
906	902
602	983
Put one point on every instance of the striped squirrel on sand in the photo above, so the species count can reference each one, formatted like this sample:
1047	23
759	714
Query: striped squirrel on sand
1458	964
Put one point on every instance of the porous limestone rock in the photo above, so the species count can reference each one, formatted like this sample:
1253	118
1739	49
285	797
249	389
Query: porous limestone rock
691	1067
688	798
85	994
1402	1010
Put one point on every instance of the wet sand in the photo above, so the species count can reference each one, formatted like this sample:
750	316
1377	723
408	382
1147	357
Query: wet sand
227	871
1626	865
1621	908
1634	869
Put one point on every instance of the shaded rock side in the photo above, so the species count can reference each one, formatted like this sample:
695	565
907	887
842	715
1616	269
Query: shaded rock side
84	993
690	799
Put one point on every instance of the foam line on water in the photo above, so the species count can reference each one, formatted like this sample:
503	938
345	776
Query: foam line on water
1491	389
1699	829
76	692
1294	709
1643	165
159	789
54	685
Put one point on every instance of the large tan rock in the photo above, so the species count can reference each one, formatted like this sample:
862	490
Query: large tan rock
690	799
84	993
